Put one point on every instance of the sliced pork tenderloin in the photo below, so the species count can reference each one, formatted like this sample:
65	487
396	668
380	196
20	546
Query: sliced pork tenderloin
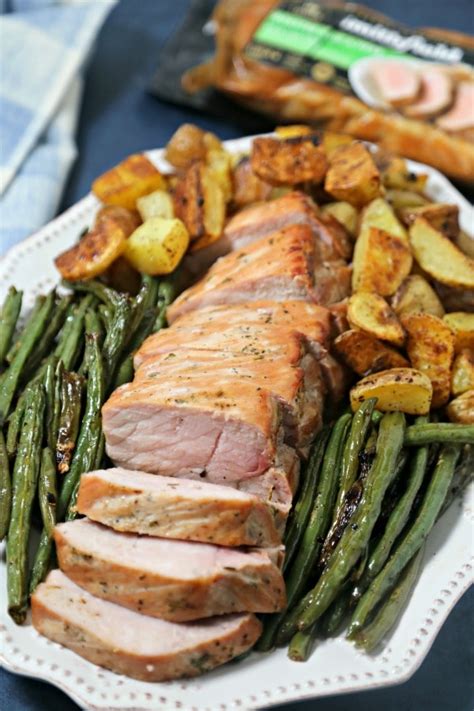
435	96
461	115
136	502
129	643
174	580
397	81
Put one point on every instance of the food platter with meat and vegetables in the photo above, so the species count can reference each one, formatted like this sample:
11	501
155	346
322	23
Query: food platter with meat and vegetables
237	415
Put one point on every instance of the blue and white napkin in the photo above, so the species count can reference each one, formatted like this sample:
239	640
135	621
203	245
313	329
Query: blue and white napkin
44	45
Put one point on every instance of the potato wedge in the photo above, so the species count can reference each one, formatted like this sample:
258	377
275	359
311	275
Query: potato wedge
371	313
381	263
441	216
366	354
455	299
344	213
127	181
333	141
248	187
439	257
99	247
401	199
352	175
397	390
289	161
465	242
218	167
395	174
157	246
415	295
461	409
157	204
214	203
462	376
188	200
380	214
462	323
430	348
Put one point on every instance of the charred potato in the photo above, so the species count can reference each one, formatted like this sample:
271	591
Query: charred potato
415	295
157	246
462	323
127	181
190	144
439	257
352	175
430	348
381	262
461	409
395	175
248	187
365	354
371	313
442	217
199	202
99	247
289	161
462	376
399	389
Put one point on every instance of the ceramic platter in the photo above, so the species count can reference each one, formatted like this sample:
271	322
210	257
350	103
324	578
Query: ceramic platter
261	679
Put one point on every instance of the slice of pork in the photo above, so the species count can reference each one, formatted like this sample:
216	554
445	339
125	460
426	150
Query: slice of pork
435	96
461	116
129	643
397	81
136	502
278	267
175	580
214	428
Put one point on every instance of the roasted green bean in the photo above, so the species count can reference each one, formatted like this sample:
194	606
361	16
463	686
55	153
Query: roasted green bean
8	319
69	420
5	488
47	490
439	432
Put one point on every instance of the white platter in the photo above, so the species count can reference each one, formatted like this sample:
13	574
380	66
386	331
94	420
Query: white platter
260	680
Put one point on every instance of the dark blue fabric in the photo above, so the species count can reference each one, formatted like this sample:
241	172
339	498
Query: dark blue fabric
118	118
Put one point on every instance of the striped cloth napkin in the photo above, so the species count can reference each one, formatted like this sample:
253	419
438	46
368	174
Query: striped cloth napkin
44	45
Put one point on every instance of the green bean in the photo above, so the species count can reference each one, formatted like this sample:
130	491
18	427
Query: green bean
56	410
301	645
69	420
108	296
14	425
42	561
43	347
90	430
116	337
440	432
5	488
124	373
167	292
345	514
332	620
413	539
28	340
353	447
49	382
399	517
25	477
302	566
463	476
8	318
71	337
356	536
33	315
372	634
94	324
106	314
304	502
47	491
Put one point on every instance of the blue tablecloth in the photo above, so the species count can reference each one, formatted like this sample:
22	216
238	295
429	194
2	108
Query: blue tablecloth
118	118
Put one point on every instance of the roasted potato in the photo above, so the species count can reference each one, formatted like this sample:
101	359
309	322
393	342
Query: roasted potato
395	175
214	203
99	247
199	202
415	295
218	167
371	313
381	262
366	354
439	257
248	187
190	144
157	246
333	141
441	216
455	299
465	242
397	390
462	376
379	214
344	213
156	204
461	409
293	130
127	181
289	161
352	175
121	276
430	348
462	324
401	199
